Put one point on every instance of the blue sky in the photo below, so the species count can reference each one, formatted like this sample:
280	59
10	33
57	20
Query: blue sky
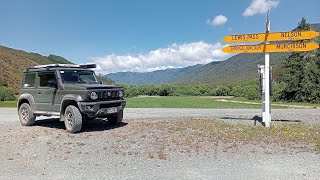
141	35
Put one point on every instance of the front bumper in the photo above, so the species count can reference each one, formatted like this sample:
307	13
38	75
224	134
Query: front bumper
101	108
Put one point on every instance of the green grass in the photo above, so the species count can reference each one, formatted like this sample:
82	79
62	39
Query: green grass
278	102
8	103
184	102
187	102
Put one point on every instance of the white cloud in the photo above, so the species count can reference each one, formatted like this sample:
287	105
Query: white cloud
176	55
218	20
260	7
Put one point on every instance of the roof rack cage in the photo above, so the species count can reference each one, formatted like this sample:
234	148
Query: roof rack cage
86	66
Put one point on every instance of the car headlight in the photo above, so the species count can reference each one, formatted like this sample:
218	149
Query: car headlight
120	94
93	95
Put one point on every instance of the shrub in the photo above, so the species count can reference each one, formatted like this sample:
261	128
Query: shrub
7	94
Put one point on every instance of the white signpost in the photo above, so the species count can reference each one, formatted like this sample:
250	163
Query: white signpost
266	110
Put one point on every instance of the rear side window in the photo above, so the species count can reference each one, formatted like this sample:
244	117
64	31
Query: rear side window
29	80
45	78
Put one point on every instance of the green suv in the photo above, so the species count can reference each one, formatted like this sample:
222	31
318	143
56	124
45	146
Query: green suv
69	91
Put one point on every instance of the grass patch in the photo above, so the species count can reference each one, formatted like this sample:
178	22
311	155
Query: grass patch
8	104
200	132
186	102
278	102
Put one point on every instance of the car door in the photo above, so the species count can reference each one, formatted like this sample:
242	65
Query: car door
48	95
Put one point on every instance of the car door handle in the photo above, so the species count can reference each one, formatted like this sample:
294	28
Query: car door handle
39	92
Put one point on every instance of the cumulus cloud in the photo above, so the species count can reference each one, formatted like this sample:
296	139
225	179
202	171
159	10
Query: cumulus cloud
260	7
218	20
176	55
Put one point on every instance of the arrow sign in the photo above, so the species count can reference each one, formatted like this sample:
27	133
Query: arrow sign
261	48
276	36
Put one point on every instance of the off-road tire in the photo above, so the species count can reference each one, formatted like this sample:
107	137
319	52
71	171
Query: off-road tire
72	119
26	116
115	118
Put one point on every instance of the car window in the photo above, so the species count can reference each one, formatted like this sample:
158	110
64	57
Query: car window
78	76
45	78
29	80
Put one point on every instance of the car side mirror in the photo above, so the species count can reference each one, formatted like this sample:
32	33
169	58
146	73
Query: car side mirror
52	83
100	82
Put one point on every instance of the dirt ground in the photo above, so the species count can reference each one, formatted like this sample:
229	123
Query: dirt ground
151	147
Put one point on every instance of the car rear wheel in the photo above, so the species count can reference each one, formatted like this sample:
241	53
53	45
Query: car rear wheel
26	117
72	119
116	118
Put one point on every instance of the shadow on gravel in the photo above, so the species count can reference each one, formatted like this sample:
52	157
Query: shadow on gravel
87	126
259	119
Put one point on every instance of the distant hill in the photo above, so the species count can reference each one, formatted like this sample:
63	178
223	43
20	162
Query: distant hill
13	62
155	77
236	68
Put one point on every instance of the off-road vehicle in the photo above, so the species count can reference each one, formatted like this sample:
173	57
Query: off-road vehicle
69	91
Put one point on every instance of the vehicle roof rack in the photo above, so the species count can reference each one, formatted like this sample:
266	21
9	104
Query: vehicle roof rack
56	65
86	66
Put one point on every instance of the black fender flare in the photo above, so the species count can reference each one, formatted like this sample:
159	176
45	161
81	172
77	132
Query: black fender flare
67	98
29	98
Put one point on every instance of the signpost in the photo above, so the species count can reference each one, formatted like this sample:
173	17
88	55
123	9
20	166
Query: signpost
266	47
275	36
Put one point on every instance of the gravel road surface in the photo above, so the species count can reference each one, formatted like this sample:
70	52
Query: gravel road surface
140	149
307	116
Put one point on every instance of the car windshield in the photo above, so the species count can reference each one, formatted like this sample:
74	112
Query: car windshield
78	76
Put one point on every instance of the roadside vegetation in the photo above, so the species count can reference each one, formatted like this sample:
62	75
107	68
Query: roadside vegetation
195	134
7	94
8	104
210	102
185	102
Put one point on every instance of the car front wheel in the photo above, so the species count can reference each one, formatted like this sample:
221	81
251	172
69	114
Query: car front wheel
72	119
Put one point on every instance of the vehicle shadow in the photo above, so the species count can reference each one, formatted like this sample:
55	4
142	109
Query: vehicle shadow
87	126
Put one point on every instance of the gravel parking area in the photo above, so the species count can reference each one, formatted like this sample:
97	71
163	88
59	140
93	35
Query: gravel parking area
306	116
150	145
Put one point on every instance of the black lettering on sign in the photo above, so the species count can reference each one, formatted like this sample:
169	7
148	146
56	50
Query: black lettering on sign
234	37
253	36
235	48
291	35
238	37
292	46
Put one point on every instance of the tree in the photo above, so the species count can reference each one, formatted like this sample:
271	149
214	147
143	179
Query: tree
302	74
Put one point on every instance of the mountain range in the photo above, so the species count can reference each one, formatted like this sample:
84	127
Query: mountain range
154	77
236	68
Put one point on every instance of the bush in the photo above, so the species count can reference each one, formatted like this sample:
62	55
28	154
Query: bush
7	94
278	89
223	91
250	91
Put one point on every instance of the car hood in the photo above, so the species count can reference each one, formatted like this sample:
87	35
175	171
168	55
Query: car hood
91	86
100	86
